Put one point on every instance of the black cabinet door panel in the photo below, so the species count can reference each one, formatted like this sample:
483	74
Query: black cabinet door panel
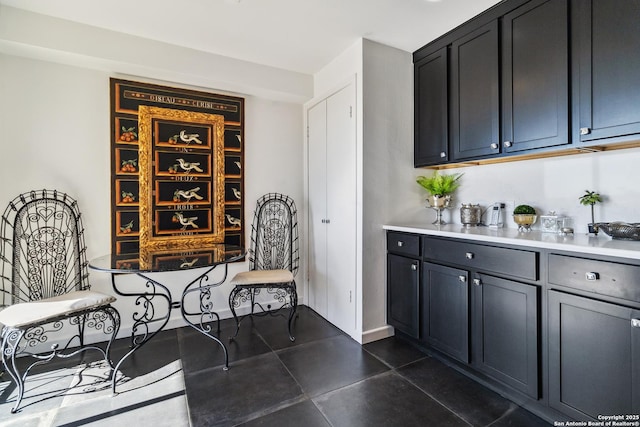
431	105
506	331
594	357
475	94
402	293
608	45
536	76
444	303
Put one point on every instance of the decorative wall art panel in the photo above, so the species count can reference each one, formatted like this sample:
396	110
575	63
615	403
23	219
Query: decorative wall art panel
177	168
181	178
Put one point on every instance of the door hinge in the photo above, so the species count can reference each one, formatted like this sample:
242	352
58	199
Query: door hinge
350	296
307	132
350	111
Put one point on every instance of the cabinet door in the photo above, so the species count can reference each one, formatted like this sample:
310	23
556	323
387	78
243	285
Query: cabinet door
317	170
506	331
475	94
594	357
608	71
403	279
431	115
341	209
444	306
332	211
535	83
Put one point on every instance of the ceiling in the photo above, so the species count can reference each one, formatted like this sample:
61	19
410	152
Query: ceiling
296	35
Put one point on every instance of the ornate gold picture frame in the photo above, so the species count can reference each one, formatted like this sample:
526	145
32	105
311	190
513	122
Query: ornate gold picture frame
181	178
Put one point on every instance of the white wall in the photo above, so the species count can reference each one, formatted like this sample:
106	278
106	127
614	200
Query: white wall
384	149
54	122
546	184
387	148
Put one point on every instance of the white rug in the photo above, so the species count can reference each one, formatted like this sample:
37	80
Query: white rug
82	396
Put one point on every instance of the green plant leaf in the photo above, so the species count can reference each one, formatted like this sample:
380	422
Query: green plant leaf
440	184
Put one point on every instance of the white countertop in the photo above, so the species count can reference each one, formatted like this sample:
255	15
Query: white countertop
580	242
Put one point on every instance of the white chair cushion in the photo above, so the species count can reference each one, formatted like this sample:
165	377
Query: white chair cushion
26	313
259	277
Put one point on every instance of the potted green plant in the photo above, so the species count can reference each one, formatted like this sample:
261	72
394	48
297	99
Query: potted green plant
525	216
440	187
590	198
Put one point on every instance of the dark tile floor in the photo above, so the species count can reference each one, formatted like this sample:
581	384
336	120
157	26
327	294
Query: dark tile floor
324	378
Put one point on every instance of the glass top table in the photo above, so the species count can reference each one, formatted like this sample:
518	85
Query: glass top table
156	261
154	301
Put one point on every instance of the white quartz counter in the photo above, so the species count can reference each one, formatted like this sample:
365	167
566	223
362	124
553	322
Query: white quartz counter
580	243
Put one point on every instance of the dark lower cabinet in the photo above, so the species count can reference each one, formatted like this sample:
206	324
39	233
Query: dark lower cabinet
505	334
403	275
444	307
594	357
557	331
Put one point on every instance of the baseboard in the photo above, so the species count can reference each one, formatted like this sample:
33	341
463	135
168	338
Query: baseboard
377	334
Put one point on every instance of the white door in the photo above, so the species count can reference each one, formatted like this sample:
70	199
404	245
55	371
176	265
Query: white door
317	169
341	209
332	210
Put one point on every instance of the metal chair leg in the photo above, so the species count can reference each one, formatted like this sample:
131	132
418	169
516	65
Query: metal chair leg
10	343
293	300
114	315
232	306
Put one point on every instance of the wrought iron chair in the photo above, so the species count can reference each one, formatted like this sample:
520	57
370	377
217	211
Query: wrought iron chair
45	285
273	260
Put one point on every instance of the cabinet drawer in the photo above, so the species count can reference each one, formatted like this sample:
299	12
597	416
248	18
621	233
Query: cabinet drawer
403	243
513	262
602	277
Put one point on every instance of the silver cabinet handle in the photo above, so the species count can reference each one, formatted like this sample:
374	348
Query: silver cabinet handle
400	244
463	279
585	131
507	144
635	323
414	267
469	255
592	276
443	154
477	282
494	146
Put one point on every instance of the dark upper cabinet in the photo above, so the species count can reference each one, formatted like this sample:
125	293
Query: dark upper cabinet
606	45
431	119
475	94
535	76
509	87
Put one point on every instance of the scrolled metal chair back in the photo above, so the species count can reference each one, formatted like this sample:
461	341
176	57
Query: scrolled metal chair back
43	252
274	234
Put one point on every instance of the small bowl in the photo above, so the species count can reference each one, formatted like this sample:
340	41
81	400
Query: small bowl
525	221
